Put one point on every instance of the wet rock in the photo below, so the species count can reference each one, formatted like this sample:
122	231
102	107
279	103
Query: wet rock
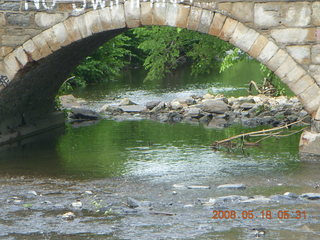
205	119
174	193
229	199
77	204
175	105
174	117
215	106
257	200
238	186
311	196
133	108
159	107
150	105
88	192
68	216
187	101
84	114
193	112
133	203
34	193
111	108
69	101
198	187
291	195
217	123
247	106
126	101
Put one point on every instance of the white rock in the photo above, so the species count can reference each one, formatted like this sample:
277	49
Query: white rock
77	204
68	216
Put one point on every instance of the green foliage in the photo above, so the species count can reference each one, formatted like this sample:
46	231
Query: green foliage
232	57
167	48
105	64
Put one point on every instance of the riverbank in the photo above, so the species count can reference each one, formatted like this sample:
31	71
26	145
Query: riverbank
211	111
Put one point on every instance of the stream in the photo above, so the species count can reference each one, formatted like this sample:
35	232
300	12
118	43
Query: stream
149	180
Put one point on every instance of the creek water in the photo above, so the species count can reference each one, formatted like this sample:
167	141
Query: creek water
103	164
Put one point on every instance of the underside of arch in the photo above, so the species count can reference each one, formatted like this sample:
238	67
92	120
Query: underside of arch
38	67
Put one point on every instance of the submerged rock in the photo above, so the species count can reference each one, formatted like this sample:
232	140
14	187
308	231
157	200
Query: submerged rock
84	114
126	101
68	216
311	196
239	186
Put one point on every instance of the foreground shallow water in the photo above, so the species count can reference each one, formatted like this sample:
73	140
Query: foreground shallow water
154	162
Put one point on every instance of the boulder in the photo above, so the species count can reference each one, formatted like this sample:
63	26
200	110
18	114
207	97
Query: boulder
84	114
215	106
133	108
150	105
126	101
159	107
193	112
176	105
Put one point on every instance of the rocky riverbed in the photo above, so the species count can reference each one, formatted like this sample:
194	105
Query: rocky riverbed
209	110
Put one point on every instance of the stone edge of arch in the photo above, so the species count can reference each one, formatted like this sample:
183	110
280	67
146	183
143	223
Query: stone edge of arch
190	17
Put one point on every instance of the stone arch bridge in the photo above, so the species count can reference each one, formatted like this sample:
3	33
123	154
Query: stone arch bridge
42	42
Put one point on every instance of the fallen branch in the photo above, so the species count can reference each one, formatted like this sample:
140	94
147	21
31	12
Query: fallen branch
272	132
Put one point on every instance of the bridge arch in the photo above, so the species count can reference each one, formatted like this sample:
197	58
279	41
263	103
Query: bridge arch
38	67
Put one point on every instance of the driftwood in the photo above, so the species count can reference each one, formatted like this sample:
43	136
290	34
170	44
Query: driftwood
281	131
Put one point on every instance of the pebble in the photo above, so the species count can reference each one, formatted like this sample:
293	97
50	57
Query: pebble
198	187
77	204
33	193
239	186
68	216
88	192
174	193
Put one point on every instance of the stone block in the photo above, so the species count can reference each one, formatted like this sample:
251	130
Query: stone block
3	21
301	53
117	16
243	11
13	40
295	74
314	70
12	66
288	65
309	143
268	52
243	37
21	56
315	17
296	14
311	98
93	22
194	18
61	35
32	50
171	15
41	44
80	23
315	54
132	13
217	24
228	29
267	15
182	17
5	50
257	46
146	15
301	85
45	20
240	10
72	29
294	35
159	14
19	19
205	21
274	63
